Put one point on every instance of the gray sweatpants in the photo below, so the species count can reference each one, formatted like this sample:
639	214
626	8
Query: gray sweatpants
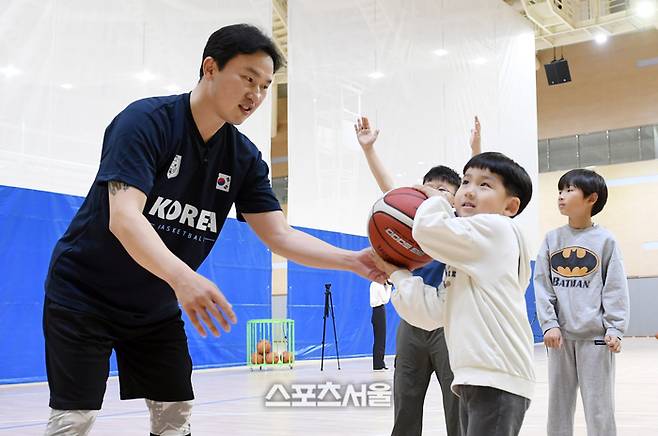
590	367
420	353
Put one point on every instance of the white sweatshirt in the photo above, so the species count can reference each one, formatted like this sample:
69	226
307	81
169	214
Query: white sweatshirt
481	301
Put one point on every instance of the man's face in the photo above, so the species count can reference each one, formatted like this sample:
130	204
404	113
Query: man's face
443	186
240	87
482	191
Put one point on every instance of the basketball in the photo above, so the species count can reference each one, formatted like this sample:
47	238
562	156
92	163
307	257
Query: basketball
263	346
271	358
390	225
257	358
287	357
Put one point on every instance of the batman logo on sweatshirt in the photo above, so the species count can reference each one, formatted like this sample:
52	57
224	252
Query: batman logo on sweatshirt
574	262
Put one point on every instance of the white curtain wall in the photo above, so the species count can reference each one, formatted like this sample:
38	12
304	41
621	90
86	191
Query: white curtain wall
68	67
420	69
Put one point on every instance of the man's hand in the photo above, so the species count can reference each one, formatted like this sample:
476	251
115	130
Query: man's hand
380	263
553	338
364	265
432	192
201	298
364	134
475	141
613	343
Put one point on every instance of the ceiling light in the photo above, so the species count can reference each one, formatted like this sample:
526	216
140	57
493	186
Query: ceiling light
66	86
10	71
376	75
601	38
440	52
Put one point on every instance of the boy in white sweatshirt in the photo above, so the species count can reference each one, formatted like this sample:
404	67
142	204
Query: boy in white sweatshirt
481	302
582	305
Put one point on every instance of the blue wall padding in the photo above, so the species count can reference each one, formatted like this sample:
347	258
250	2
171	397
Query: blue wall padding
351	298
32	221
532	308
30	224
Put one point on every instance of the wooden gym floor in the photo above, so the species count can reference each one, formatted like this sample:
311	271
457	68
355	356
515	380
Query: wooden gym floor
232	402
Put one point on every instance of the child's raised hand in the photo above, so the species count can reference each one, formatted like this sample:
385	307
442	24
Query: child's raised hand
475	141
553	338
613	343
364	134
382	265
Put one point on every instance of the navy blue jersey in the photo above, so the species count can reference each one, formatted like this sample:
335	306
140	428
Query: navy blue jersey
155	146
432	273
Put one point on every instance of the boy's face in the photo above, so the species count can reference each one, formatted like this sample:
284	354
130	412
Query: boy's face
571	202
482	191
443	186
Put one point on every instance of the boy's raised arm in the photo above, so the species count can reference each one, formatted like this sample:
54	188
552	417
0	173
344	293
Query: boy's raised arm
367	137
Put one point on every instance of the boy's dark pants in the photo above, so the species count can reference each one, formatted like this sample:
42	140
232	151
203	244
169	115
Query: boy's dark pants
420	353
489	411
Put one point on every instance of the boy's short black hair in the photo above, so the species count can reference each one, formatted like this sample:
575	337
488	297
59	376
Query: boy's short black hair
442	173
516	180
230	41
589	182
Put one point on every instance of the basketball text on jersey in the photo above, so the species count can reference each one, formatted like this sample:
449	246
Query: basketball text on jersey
173	210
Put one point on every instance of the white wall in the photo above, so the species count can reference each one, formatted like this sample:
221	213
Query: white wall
68	67
424	104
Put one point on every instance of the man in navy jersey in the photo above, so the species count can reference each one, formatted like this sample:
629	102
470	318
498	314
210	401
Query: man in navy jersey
171	167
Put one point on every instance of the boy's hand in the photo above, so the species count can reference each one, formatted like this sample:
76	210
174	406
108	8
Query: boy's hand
553	338
382	265
475	138
431	192
614	343
364	134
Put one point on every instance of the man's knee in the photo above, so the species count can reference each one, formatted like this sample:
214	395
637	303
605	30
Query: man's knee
70	422
170	418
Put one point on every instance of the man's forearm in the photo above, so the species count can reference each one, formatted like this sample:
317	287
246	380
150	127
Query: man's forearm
146	248
310	251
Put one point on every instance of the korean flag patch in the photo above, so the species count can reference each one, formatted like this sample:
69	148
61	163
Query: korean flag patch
223	182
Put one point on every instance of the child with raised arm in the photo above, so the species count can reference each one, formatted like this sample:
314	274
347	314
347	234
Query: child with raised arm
481	302
419	353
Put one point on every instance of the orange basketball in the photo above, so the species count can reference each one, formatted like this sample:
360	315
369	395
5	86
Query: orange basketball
257	358
271	358
263	346
390	225
287	357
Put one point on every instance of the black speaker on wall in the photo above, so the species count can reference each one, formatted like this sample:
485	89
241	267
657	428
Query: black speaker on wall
557	72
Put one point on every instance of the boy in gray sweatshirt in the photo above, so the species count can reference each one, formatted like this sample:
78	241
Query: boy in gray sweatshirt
582	304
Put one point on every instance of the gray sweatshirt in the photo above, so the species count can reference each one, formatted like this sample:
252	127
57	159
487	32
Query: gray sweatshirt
580	284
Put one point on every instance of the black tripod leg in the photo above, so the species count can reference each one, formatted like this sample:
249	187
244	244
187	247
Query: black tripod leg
324	329
333	320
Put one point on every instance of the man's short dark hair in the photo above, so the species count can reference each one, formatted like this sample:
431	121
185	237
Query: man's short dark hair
589	182
516	180
442	173
236	39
